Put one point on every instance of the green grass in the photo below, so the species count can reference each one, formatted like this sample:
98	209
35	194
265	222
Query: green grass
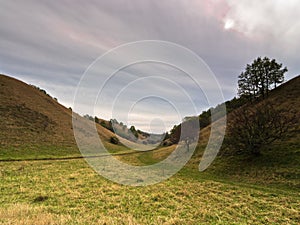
32	152
233	190
70	192
277	167
24	152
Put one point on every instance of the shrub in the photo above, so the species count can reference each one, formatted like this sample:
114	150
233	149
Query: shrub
114	140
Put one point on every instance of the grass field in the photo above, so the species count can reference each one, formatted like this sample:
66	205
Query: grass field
70	192
234	190
39	186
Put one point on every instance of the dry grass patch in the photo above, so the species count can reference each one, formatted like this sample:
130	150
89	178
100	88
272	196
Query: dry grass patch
24	214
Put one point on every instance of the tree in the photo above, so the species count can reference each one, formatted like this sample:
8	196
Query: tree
187	130
133	131
87	116
175	134
251	129
114	140
260	77
166	136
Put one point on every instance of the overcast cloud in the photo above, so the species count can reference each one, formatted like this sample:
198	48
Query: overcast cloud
51	43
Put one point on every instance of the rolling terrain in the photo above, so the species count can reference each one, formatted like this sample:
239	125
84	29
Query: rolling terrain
235	189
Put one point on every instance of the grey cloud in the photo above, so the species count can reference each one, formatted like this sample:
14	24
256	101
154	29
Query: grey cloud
51	43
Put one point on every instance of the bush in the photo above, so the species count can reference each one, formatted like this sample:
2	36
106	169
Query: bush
114	140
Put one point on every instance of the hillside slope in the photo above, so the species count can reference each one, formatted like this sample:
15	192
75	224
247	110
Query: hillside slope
33	122
28	115
286	95
278	164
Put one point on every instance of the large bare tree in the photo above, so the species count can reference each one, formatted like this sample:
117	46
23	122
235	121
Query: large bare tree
252	128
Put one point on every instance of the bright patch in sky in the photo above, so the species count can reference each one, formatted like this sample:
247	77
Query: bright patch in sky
229	23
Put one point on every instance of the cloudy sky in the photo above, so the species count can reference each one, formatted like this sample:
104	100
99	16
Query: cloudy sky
51	44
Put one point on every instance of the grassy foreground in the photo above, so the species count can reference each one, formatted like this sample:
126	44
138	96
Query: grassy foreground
70	192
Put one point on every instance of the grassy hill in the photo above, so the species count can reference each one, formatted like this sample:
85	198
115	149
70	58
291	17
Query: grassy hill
35	125
29	115
279	162
277	165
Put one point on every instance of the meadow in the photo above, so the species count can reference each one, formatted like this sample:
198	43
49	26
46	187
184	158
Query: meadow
70	192
45	180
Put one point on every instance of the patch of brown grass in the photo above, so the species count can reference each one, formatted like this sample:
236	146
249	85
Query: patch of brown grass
24	214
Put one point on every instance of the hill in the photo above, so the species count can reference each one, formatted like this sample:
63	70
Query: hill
34	124
279	162
29	115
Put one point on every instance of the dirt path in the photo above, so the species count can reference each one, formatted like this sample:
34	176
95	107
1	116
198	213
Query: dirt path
78	157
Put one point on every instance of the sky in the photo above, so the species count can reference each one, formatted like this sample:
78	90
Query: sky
52	44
